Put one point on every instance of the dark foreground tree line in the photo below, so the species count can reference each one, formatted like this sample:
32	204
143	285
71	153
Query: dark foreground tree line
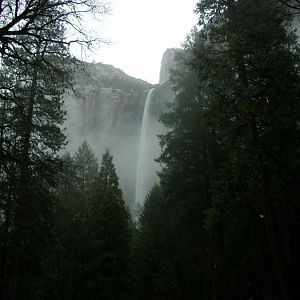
224	221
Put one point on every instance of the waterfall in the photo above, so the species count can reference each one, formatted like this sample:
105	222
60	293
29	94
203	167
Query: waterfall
140	189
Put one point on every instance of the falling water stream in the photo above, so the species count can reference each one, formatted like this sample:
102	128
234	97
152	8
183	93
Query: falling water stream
140	191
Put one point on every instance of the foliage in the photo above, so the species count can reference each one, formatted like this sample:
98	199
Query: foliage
34	74
154	271
23	20
223	223
230	155
109	233
31	113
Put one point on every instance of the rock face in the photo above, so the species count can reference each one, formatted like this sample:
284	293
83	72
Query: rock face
106	110
296	25
167	63
161	96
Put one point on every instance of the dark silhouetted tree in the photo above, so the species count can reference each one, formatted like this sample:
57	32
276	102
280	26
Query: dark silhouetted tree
109	232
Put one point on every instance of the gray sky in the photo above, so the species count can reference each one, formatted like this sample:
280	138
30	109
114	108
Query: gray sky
139	32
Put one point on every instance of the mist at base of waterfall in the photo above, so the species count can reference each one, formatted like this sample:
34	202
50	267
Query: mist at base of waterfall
107	110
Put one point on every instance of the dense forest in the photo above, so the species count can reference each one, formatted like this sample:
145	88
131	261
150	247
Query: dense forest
223	223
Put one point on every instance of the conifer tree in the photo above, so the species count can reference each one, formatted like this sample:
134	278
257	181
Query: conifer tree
154	266
86	166
254	76
30	140
109	233
230	155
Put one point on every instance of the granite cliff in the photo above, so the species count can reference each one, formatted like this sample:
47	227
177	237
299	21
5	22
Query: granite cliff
106	107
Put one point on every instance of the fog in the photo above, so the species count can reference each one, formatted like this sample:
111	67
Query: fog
106	109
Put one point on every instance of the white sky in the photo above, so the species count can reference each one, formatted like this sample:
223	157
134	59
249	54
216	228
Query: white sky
140	31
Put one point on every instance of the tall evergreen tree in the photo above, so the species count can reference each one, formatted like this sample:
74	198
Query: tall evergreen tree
254	77
68	252
155	273
30	140
109	233
86	166
83	167
231	156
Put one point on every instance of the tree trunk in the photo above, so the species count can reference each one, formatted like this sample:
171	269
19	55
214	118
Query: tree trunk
22	189
276	247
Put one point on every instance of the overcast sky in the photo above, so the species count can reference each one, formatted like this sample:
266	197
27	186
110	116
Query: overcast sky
140	31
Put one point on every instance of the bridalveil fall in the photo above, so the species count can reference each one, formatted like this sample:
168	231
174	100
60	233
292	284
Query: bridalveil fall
140	188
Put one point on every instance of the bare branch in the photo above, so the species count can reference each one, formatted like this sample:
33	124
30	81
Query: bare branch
33	18
291	4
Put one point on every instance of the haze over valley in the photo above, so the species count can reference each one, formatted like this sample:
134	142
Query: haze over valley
162	165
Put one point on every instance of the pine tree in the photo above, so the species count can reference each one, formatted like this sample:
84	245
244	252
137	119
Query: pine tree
31	107
191	157
86	166
230	155
155	273
254	78
109	233
34	74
